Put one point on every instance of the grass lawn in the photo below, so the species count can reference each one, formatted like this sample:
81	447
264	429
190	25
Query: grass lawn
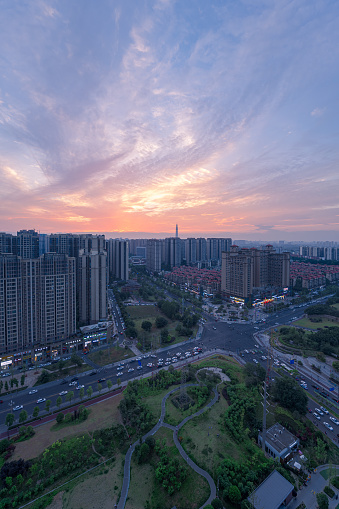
201	441
305	322
140	314
102	415
193	493
154	402
329	472
110	355
98	489
174	415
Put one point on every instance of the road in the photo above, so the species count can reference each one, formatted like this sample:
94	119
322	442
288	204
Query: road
232	337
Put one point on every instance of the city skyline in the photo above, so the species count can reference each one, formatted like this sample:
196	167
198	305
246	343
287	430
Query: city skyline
221	118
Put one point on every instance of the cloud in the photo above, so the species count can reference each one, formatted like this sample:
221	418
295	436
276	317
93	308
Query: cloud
317	112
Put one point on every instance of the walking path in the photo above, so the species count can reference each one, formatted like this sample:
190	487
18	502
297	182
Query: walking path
315	485
200	471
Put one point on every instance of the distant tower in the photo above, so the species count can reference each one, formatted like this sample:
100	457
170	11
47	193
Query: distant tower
176	231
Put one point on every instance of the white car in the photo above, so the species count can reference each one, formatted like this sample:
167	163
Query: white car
63	393
18	407
80	387
316	416
41	400
139	367
130	370
324	410
33	391
319	411
328	426
255	360
333	419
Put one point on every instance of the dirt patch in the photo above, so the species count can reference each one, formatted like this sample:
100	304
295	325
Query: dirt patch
102	415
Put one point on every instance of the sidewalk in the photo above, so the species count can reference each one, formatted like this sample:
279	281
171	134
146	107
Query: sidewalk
315	485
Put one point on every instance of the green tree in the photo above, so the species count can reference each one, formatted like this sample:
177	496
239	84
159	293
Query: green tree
99	387
89	391
60	418
36	412
23	416
48	404
69	396
234	494
22	380
144	453
322	500
58	401
81	393
290	395
109	384
335	365
61	365
6	386
146	325
1	385
9	420
119	382
75	359
161	322
217	504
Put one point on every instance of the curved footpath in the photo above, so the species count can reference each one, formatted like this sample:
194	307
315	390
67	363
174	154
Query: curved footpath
200	471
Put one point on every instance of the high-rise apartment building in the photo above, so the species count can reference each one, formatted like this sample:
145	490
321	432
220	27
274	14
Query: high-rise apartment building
173	254
8	243
153	255
215	246
118	258
244	269
37	300
191	251
28	244
92	282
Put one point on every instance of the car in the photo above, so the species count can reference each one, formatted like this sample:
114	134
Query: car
63	382
93	373
41	400
328	426
310	410
18	407
63	393
333	419
139	367
74	379
80	387
255	361
324	410
101	380
214	328
316	416
72	384
33	391
130	370
319	411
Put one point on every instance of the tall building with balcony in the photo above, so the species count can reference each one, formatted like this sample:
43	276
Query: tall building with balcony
153	255
92	282
118	258
28	244
173	252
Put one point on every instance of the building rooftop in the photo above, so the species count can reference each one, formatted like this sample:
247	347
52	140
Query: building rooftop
271	493
280	438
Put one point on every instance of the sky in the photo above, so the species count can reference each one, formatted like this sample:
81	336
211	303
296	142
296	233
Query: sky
128	115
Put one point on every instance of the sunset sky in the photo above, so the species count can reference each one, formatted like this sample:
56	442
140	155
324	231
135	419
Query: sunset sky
129	115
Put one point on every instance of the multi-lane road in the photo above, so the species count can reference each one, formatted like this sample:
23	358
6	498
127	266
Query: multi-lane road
232	337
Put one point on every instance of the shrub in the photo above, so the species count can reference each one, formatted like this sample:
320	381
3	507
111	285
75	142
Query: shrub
329	491
60	418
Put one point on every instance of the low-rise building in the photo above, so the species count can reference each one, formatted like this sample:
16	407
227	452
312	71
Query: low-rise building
273	493
279	442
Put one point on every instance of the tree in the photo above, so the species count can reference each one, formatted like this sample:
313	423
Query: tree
89	391
255	374
9	420
146	325
290	395
144	452
335	365
23	416
22	380
99	387
75	359
6	386
60	418
58	401
61	365
36	412
119	382
322	500
217	504
81	393
234	494
1	385
109	384
161	322
69	396
48	404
